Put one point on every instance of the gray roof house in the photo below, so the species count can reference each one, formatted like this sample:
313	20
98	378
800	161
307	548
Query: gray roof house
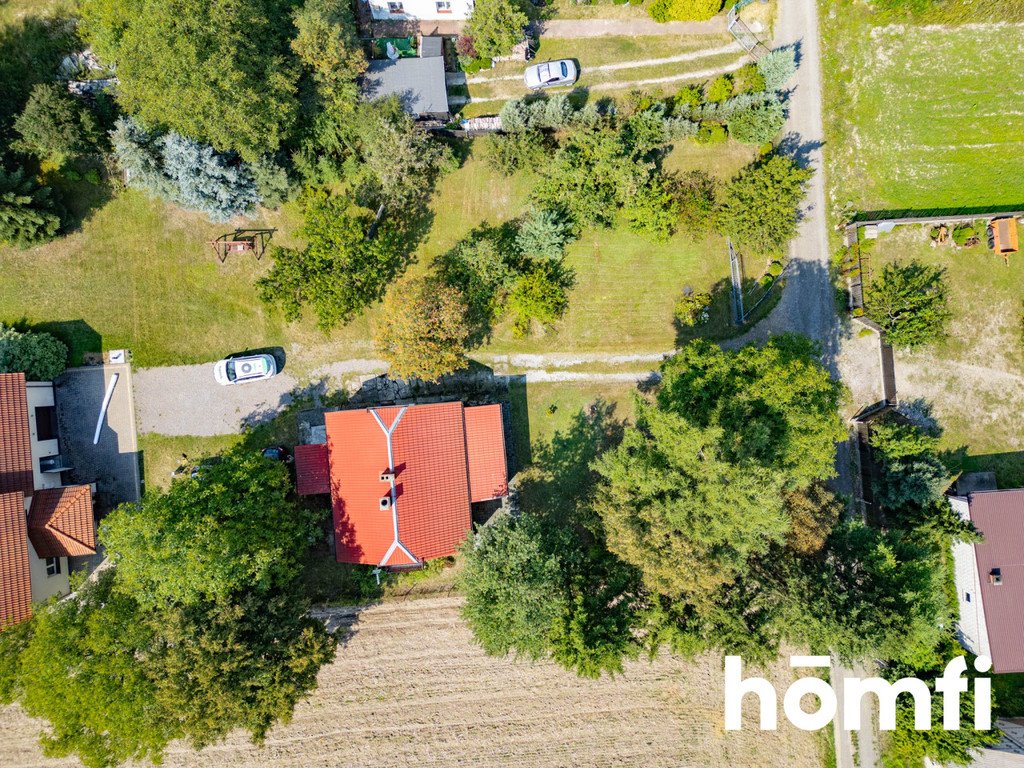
419	83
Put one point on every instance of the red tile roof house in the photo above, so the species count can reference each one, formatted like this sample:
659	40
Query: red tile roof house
402	478
42	523
990	577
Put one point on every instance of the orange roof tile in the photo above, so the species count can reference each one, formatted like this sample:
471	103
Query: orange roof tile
485	448
312	469
15	577
15	436
431	485
60	522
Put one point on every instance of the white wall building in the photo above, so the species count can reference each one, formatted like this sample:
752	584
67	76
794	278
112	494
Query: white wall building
420	10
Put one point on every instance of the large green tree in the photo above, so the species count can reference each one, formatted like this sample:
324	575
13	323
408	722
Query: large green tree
218	72
776	405
346	265
911	303
423	330
230	528
759	209
496	26
675	507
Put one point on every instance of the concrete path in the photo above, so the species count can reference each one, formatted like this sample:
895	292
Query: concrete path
577	28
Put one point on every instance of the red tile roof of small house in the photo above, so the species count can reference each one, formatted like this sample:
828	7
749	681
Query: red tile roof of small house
15	436
312	469
60	522
15	576
425	446
485	449
999	515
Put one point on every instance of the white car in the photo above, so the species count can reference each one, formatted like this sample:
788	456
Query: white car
551	73
239	370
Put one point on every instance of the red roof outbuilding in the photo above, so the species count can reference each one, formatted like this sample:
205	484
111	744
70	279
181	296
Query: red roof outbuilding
312	469
401	478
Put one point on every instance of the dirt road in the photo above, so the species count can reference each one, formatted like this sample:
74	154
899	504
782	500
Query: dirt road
410	689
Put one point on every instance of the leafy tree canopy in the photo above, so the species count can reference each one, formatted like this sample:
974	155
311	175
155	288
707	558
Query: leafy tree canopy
218	72
776	405
759	208
423	330
227	530
911	303
327	43
341	270
683	514
496	26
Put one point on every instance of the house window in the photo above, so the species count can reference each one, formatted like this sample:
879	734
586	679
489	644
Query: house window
396	8
52	566
443	6
46	422
967	596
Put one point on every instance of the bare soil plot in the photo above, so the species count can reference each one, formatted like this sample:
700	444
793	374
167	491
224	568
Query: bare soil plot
410	689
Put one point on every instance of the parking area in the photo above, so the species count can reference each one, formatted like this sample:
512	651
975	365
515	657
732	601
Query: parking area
112	460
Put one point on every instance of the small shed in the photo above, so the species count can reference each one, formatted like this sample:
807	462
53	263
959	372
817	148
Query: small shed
1004	235
418	83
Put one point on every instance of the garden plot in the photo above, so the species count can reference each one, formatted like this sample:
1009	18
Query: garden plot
409	688
923	118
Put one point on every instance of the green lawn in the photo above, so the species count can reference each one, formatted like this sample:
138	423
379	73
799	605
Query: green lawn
972	378
921	117
140	275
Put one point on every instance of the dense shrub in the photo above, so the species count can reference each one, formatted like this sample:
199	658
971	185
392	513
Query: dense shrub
689	96
696	193
748	79
719	89
509	153
653	211
692	308
684	10
963	233
540	295
757	124
550	113
711	133
40	356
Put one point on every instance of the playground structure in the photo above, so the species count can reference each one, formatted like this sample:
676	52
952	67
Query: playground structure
242	241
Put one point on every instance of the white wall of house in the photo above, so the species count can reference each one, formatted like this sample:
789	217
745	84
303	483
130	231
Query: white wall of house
40	395
973	632
420	10
45	585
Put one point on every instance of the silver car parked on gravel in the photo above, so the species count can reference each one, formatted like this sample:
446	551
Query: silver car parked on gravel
551	73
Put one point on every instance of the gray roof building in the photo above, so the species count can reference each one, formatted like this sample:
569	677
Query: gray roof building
418	82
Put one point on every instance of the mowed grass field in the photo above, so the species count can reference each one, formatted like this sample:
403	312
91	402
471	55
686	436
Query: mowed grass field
974	379
409	688
922	117
141	275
